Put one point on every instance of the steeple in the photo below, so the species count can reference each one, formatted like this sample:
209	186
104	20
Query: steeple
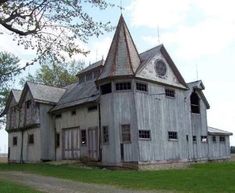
123	58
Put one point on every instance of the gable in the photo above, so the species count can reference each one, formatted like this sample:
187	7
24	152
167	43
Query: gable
149	70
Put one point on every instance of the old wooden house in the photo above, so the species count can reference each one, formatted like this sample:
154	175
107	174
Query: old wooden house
130	108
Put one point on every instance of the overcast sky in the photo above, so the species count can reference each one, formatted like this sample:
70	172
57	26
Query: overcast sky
199	35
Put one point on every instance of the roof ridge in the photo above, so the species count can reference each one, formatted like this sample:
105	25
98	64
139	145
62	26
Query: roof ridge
160	45
38	83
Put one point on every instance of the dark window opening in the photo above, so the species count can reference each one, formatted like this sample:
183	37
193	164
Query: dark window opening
126	134
89	76
14	141
186	137
57	140
74	112
31	139
195	103
81	78
106	88
83	137
172	135
170	93
123	86
222	139
144	134
28	103
96	74
194	139
57	116
204	139
105	135
141	87
92	108
214	139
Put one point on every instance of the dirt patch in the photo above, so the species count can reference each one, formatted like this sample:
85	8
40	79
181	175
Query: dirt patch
55	185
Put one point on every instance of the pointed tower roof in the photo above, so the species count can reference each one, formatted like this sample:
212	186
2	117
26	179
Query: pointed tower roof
123	58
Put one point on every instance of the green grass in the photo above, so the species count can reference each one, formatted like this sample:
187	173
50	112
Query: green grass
10	187
200	178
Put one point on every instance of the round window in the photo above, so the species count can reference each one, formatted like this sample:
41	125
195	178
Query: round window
160	67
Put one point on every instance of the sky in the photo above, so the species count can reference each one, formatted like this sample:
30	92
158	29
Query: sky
199	35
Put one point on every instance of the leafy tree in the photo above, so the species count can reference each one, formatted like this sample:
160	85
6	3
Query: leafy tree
52	27
58	75
8	64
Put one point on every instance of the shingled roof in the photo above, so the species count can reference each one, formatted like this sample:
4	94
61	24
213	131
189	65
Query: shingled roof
97	64
123	58
77	94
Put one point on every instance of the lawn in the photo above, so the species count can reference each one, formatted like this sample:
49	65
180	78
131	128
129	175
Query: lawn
10	187
199	178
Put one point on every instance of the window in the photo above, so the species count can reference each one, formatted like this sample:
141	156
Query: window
106	88
186	137
144	134
74	112
170	93
204	139
194	139
92	108
195	103
126	134
172	135
14	141
57	116
123	86
222	139
105	135
31	139
89	76
57	140
83	137
214	139
28	103
141	87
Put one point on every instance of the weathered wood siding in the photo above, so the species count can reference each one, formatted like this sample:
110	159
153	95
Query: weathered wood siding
14	150
218	149
82	120
12	116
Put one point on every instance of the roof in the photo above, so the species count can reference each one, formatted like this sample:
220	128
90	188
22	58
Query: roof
123	58
77	94
43	93
97	64
214	131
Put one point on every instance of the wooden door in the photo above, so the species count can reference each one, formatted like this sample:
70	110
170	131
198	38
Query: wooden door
71	144
93	143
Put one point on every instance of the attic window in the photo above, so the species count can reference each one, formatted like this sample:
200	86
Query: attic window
123	86
195	103
141	87
57	116
28	103
222	139
170	93
92	108
106	88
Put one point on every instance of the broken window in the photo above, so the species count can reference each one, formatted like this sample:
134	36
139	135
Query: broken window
106	88
83	137
123	86
195	103
14	141
170	93
172	135
144	134
126	134
204	139
31	139
105	135
141	87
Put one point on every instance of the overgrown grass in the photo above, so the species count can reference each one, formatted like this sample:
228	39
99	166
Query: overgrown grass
200	178
10	187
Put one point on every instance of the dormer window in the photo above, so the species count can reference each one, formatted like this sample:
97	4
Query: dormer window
195	103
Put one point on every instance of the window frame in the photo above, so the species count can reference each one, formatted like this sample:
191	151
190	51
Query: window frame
105	135
204	137
170	93
14	140
57	140
126	133
172	136
144	135
140	85
214	140
123	86
30	139
194	139
83	137
222	139
107	87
